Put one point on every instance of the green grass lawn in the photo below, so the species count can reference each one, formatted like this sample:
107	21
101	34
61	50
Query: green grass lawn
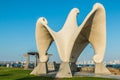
20	74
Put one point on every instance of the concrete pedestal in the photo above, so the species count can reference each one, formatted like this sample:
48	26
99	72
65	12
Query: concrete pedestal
64	70
41	69
101	69
27	61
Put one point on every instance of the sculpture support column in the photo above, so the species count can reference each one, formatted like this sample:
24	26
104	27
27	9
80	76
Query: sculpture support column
101	69
27	61
41	69
36	60
64	70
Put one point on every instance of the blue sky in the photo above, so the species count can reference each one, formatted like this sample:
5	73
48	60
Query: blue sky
18	20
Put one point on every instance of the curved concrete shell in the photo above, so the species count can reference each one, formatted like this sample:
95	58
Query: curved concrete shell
72	39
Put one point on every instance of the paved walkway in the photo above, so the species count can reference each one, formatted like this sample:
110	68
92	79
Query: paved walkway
83	74
97	75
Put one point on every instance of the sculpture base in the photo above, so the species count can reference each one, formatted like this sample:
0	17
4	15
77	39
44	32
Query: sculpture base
101	69
41	69
64	70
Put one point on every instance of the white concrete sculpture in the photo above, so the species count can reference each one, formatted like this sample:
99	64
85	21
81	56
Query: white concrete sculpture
71	40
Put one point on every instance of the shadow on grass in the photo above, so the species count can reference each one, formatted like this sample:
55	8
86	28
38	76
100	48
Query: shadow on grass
3	75
36	78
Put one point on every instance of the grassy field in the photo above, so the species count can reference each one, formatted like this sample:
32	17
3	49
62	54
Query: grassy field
20	74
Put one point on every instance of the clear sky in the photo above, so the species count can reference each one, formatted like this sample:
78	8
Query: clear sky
18	21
